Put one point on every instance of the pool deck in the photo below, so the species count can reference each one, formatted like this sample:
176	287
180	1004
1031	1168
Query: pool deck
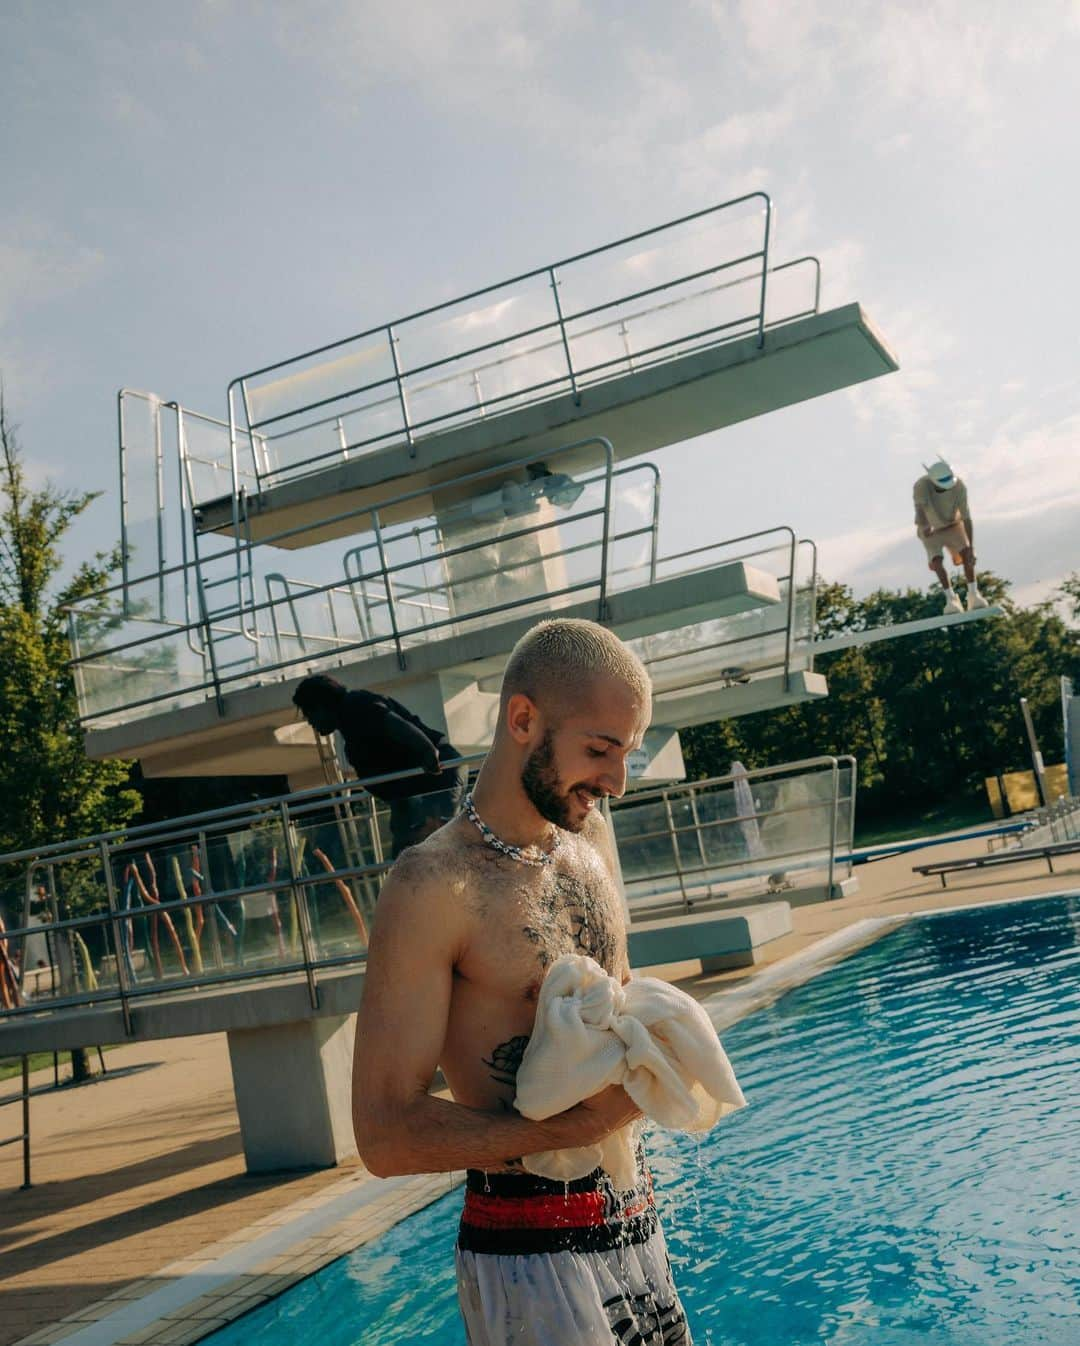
142	1225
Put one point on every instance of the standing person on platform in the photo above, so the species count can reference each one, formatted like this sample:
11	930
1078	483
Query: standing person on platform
468	924
382	736
943	520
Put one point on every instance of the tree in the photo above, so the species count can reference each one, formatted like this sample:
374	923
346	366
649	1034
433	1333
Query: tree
1069	590
927	717
49	788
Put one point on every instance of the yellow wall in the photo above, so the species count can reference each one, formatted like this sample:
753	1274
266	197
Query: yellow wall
1021	791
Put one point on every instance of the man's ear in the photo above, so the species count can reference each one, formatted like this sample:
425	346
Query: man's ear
522	718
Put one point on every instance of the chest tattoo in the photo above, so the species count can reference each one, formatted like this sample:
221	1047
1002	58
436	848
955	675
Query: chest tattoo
566	916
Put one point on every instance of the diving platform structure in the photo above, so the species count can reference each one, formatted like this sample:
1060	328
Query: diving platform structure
397	509
400	505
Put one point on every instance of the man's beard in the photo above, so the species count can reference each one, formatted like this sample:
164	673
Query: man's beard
540	781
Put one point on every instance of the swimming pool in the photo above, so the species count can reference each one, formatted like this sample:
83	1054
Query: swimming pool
906	1173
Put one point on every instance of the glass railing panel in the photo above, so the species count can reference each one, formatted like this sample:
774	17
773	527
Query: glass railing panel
44	963
664	258
491	353
366	423
727	838
163	674
330	840
209	457
327	379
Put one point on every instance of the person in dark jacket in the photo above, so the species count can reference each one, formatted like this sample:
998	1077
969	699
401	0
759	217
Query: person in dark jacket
382	736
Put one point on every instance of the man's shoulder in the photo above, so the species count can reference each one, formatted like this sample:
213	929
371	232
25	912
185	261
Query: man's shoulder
440	861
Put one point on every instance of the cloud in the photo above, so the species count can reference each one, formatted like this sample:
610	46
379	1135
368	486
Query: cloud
454	55
923	339
915	54
39	264
1018	474
893	144
1025	495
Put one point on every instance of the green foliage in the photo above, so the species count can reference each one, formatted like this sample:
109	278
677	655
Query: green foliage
49	789
927	717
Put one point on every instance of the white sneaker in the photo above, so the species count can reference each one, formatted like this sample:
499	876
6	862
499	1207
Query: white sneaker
975	599
952	603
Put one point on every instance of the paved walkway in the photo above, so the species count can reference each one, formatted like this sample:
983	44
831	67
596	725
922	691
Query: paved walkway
143	1169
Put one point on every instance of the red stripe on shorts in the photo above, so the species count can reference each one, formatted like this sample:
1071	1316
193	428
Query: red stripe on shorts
577	1210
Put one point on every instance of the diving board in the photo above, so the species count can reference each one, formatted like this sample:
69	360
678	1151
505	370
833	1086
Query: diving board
638	411
853	639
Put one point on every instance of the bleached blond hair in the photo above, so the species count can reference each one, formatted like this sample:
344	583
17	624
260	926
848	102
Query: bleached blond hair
557	658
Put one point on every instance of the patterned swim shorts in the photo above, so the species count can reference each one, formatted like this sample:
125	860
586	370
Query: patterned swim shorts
543	1263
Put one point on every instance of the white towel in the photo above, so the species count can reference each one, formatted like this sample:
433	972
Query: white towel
648	1036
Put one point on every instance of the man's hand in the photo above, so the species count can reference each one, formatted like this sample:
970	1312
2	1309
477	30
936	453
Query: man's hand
594	1118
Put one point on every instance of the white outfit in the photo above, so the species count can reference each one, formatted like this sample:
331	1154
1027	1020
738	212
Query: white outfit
653	1039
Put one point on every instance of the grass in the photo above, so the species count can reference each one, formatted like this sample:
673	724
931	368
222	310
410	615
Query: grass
12	1065
949	816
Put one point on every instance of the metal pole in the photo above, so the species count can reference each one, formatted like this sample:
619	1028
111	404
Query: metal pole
215	933
832	825
114	920
388	586
400	391
26	1121
697	828
1036	755
654	542
299	896
764	270
605	540
159	481
124	502
675	851
790	616
562	333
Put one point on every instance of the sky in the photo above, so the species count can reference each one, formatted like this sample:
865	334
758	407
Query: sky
194	189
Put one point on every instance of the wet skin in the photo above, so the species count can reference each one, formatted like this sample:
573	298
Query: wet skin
521	919
465	934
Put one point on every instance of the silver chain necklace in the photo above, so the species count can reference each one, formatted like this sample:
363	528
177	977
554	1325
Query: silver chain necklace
497	843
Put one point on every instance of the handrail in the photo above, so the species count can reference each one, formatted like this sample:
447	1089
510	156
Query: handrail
666	794
513	280
222	624
289	811
239	389
23	1136
218	680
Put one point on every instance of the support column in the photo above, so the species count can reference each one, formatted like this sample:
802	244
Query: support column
293	1087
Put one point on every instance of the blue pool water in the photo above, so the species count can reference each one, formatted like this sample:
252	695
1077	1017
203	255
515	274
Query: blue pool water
907	1172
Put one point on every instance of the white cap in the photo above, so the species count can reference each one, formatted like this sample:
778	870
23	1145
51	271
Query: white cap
940	473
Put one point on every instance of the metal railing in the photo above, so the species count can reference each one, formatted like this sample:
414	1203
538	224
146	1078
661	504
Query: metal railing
281	886
23	1136
694	844
286	887
129	657
359	393
1054	823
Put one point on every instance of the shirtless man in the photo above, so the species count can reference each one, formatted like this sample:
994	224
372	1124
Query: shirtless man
468	923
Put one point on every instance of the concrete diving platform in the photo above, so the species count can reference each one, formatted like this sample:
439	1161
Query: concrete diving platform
639	411
451	682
